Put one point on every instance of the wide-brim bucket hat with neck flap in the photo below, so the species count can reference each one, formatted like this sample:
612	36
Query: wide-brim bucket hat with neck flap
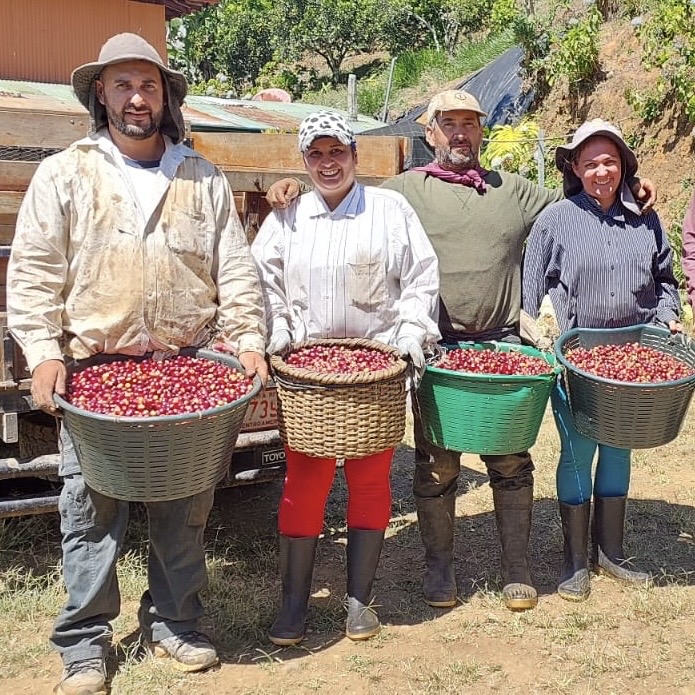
565	155
119	49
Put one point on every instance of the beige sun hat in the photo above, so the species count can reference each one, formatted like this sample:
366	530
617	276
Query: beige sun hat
453	100
119	49
596	127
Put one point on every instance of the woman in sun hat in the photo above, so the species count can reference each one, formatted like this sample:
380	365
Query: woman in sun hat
604	265
342	261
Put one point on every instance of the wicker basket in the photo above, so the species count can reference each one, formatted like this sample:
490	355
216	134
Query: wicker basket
147	459
341	415
485	413
627	415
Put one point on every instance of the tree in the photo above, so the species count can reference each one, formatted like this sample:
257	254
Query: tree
439	24
333	29
232	40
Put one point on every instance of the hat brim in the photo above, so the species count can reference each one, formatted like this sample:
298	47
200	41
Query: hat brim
83	78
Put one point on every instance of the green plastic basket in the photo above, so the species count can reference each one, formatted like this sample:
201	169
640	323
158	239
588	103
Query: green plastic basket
485	413
148	459
621	414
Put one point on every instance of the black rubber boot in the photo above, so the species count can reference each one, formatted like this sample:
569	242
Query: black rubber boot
609	523
296	568
575	584
513	510
435	516
363	551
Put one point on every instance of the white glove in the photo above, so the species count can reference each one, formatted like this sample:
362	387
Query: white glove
279	342
409	346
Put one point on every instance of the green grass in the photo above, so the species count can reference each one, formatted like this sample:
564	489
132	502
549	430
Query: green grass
414	71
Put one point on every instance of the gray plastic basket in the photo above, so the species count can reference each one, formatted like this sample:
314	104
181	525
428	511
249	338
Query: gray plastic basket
157	458
621	414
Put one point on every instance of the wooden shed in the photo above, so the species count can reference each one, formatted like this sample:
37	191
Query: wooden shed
43	40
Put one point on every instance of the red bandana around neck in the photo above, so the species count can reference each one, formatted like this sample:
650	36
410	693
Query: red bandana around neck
471	177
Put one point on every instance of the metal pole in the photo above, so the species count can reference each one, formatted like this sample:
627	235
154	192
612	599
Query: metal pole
385	110
540	157
352	97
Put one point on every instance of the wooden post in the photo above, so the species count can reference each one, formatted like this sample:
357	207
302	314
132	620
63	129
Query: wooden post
352	97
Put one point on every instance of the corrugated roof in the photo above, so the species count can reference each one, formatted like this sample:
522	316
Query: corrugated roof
204	113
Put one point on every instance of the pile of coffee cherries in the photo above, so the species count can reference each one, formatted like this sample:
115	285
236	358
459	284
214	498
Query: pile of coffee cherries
340	359
630	362
150	388
493	362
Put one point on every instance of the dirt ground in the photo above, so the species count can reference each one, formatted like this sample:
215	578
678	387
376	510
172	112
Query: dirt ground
622	640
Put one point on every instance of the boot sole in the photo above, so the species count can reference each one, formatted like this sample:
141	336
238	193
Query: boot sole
285	641
361	636
447	603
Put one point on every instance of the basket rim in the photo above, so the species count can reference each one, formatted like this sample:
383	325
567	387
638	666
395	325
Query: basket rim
300	374
499	378
202	353
642	328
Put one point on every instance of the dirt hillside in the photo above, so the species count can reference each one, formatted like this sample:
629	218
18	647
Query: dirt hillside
664	149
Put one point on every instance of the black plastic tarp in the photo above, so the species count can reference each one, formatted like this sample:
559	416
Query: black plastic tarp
498	88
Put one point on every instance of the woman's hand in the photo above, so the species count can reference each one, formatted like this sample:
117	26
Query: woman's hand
675	326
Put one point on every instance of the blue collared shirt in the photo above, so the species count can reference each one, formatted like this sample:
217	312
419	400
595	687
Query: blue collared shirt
601	269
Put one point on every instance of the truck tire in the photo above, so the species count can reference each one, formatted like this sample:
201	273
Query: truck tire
38	435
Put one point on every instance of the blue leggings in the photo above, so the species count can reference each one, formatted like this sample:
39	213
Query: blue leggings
573	477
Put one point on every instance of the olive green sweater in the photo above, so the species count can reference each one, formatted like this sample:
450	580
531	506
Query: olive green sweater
479	240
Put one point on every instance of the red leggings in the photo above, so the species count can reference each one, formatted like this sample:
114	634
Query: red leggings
308	481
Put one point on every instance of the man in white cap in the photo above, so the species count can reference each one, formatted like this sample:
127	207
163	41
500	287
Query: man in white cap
128	243
477	221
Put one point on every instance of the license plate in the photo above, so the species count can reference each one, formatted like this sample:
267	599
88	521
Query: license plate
263	412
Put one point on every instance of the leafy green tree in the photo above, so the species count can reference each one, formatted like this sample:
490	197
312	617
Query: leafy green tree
333	29
229	42
438	24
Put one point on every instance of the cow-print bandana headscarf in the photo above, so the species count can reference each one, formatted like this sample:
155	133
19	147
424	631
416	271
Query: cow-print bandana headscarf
325	124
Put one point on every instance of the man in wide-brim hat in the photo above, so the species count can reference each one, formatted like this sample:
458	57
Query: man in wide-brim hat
124	48
128	243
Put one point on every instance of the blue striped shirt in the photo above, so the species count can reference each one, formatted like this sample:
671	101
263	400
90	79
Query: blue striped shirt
600	269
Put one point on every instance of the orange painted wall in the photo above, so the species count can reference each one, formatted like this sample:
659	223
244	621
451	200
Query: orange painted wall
44	40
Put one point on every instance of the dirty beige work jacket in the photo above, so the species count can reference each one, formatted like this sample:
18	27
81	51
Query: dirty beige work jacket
90	272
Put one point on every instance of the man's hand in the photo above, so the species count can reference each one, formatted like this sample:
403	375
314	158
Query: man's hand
254	363
644	191
282	193
410	347
675	326
279	342
48	378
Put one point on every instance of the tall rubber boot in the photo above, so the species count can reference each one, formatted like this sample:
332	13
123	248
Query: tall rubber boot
575	584
609	523
296	569
513	510
363	551
435	517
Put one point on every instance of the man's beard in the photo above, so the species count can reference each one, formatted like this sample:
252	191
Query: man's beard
130	130
454	160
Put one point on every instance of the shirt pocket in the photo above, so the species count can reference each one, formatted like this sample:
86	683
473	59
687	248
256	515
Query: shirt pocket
186	232
366	285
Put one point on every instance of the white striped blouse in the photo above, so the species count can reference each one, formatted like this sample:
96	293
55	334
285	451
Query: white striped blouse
600	269
365	269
